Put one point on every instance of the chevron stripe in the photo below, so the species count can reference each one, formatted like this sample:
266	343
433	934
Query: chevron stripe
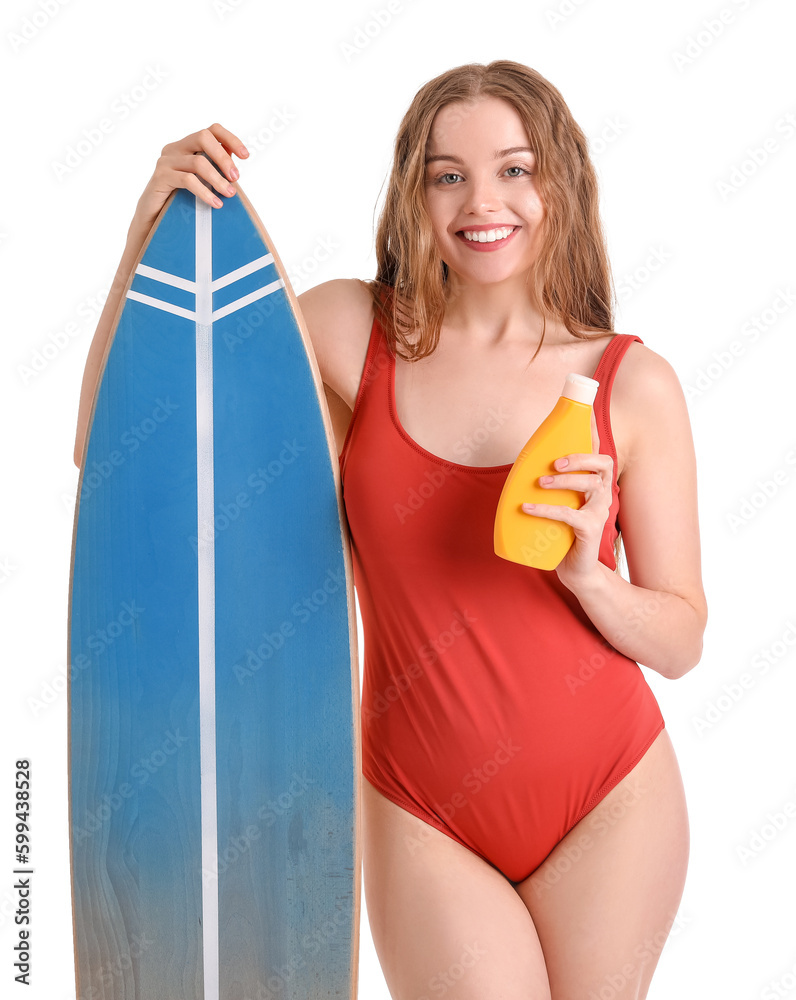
226	310
248	299
241	272
168	279
168	307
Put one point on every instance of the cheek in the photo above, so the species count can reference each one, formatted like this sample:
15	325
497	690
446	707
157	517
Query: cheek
439	219
536	208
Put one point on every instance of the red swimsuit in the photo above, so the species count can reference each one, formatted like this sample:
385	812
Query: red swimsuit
492	708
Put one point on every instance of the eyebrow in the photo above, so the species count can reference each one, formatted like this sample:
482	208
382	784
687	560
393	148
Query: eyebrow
498	154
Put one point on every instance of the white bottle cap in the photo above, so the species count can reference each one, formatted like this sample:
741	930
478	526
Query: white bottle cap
580	388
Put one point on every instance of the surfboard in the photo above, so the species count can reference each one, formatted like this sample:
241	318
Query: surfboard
213	746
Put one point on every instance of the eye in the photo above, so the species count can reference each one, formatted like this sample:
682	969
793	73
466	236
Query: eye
441	179
522	170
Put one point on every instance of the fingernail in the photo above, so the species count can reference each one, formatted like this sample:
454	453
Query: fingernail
528	506
562	463
234	173
546	479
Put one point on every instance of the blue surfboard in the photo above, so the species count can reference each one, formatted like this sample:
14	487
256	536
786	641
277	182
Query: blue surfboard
214	688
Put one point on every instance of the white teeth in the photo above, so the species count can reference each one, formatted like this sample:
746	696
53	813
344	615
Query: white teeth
488	236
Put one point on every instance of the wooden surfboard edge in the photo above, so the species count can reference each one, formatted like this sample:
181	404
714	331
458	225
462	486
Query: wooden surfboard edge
345	537
89	426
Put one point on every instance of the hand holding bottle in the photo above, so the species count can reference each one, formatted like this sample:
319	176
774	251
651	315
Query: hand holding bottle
529	529
594	479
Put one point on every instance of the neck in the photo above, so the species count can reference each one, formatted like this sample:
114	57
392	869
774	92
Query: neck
499	313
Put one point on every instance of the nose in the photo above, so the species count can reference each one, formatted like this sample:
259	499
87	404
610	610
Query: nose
481	195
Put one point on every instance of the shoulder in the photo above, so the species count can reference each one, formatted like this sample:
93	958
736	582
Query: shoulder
644	375
339	318
647	396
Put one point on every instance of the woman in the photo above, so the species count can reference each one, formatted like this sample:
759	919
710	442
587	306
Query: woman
524	818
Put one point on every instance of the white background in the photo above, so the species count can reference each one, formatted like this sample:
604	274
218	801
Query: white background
671	122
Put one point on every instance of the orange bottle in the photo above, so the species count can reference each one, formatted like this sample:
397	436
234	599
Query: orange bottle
534	541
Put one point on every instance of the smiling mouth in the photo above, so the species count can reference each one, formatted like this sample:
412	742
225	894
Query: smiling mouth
487	235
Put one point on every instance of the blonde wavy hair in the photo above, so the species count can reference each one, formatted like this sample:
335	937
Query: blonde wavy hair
571	279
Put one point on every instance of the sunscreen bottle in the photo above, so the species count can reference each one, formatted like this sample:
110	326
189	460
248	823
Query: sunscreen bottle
540	541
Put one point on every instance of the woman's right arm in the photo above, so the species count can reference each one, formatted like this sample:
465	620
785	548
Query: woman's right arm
177	167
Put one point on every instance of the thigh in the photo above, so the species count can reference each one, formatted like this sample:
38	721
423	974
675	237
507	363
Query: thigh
444	922
605	898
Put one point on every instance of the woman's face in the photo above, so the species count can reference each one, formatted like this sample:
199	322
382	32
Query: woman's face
481	191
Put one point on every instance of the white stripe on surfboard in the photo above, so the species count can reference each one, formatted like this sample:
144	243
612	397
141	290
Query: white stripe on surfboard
232	307
248	299
207	597
168	307
166	277
241	272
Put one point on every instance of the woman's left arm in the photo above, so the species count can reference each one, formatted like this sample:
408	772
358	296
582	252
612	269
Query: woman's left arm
659	618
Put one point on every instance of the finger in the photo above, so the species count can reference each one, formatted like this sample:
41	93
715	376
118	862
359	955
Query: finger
555	512
228	139
179	169
209	171
217	142
195	185
573	481
584	462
